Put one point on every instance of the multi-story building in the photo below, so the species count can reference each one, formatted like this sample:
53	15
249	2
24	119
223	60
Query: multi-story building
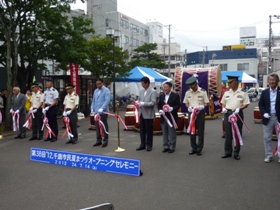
104	14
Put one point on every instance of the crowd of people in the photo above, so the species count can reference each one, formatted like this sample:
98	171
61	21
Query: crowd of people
44	106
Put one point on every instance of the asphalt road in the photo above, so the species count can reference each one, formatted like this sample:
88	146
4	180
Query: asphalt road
170	181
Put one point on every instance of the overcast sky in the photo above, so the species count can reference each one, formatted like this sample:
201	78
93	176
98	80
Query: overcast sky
196	24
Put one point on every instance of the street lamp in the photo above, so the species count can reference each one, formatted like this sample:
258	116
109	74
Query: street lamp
113	34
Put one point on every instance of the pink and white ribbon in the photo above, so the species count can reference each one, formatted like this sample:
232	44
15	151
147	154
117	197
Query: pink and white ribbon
0	117
137	106
237	138
15	121
277	149
49	132
101	125
118	117
66	121
191	128
166	108
28	122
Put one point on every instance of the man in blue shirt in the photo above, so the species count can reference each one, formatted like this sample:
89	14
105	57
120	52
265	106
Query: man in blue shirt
100	104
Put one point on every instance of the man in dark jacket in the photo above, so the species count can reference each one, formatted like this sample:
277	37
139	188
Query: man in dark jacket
269	105
172	102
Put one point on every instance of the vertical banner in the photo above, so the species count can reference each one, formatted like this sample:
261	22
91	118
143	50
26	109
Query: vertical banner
74	76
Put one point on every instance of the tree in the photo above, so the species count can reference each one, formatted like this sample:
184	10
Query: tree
34	31
144	56
100	57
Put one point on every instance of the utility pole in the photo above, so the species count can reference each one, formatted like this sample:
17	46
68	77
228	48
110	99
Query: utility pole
204	56
169	38
185	58
269	45
164	46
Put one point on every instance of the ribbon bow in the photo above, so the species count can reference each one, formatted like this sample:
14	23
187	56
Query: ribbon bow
66	120
165	109
15	121
191	128
277	149
28	122
237	138
101	125
49	132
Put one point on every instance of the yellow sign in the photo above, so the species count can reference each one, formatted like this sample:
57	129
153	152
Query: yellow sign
235	47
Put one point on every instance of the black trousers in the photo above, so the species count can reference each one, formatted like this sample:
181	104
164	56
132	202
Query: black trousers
146	132
104	118
51	114
228	135
73	123
37	123
22	130
200	126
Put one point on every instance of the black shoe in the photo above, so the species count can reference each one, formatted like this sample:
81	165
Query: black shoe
53	140
192	152
40	138
236	157
165	150
97	144
70	141
32	138
226	156
74	141
47	139
198	153
149	149
22	137
105	144
140	148
223	136
17	137
171	151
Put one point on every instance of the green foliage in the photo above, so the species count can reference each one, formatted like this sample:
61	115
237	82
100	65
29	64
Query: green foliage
100	58
144	56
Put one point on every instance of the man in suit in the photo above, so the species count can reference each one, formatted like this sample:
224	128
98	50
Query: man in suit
269	105
169	133
100	103
147	101
196	97
18	106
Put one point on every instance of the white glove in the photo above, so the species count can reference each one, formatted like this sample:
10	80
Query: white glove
200	107
34	110
266	115
100	110
64	114
11	110
224	110
236	111
17	111
141	103
170	109
160	112
68	112
31	109
47	108
190	110
92	111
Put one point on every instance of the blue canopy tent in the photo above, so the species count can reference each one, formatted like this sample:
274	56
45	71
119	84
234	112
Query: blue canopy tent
132	85
243	77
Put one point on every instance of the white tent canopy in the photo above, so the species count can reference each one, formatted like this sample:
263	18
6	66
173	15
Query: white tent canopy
131	84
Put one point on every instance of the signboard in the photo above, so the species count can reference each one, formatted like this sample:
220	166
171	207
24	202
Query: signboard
86	161
74	76
248	32
235	47
249	42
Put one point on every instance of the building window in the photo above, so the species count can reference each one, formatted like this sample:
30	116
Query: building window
224	67
242	66
264	54
135	42
134	28
172	58
146	33
172	66
126	39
